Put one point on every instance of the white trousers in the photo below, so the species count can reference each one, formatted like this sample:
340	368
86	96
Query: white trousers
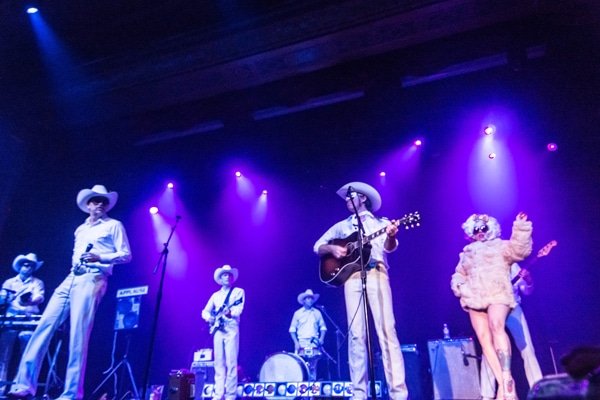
226	347
77	297
379	294
517	325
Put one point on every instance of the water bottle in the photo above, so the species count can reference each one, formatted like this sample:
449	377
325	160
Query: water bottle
446	332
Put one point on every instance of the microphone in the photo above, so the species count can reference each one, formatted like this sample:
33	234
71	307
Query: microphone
350	192
319	306
465	359
87	250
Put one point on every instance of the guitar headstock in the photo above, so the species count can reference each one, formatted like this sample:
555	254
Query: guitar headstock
544	251
409	221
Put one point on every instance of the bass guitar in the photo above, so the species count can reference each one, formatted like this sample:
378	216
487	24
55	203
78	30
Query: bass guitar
543	252
335	271
219	315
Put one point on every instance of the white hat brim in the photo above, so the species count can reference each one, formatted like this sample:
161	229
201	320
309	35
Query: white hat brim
220	271
20	259
363	188
86	194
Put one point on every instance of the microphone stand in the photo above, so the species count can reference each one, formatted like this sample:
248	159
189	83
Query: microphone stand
162	260
365	300
339	339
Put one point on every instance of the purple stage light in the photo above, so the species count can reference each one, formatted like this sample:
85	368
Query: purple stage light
153	210
264	192
491	156
418	142
382	174
490	129
238	174
170	185
552	147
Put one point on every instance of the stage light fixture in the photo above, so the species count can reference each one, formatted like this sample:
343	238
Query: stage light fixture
489	130
32	10
238	174
153	210
552	147
382	174
264	192
170	185
491	156
418	142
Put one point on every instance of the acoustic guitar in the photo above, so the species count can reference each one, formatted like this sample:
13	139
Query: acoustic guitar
335	271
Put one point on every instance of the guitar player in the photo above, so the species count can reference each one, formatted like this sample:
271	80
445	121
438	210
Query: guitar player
517	325
364	200
222	312
21	295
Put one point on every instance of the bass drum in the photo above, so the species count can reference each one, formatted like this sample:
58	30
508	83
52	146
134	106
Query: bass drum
283	367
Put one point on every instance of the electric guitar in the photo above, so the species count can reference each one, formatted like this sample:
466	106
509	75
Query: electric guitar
335	271
218	322
543	252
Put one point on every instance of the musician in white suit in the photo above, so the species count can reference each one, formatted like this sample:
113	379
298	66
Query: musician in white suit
21	296
367	200
222	312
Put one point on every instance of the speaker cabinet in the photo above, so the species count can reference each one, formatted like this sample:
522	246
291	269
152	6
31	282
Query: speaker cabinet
454	369
418	380
204	372
181	385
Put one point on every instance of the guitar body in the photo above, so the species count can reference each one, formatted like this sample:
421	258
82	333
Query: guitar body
335	271
219	322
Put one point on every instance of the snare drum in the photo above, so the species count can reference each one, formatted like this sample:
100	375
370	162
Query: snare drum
283	367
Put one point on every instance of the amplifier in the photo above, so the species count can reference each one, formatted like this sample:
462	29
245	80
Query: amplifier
418	380
181	385
454	369
204	373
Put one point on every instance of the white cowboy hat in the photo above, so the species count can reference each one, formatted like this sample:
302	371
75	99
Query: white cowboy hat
307	293
225	268
20	259
85	195
363	188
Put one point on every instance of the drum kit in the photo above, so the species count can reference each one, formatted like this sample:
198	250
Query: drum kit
291	367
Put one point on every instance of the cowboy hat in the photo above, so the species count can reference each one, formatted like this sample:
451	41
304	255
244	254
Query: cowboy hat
84	196
362	188
225	268
21	259
307	293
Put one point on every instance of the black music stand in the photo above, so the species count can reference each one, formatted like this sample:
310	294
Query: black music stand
127	318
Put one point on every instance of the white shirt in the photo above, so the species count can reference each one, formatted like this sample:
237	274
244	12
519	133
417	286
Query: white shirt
520	286
348	226
109	241
218	298
307	324
31	285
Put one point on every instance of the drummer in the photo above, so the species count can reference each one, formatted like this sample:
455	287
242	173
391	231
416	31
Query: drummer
308	330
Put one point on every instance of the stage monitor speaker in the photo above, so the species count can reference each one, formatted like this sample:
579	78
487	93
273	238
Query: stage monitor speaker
454	369
204	372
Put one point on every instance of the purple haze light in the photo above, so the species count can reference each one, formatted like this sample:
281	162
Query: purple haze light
153	210
552	147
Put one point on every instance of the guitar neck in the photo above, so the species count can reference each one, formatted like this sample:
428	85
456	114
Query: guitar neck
373	235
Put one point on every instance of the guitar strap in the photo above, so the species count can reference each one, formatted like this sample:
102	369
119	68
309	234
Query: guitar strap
226	302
